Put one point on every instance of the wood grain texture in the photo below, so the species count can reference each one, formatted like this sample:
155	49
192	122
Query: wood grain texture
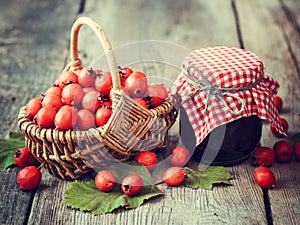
179	205
33	47
275	43
34	39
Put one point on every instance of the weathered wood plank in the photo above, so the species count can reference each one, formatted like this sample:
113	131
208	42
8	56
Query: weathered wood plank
267	31
192	24
29	33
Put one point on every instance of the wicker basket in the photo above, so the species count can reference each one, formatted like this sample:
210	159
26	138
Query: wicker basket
70	154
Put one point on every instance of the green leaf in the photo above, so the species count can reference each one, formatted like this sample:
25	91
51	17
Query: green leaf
8	147
86	197
207	178
294	139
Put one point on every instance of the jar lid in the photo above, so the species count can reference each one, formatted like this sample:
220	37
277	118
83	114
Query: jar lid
218	85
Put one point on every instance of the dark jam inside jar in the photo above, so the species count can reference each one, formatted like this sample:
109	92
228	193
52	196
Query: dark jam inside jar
226	145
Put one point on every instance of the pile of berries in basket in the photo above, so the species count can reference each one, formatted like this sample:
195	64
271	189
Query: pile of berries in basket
81	99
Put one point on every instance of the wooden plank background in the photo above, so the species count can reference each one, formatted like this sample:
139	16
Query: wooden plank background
34	49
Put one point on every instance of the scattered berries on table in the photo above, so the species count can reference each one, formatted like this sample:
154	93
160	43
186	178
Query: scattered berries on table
132	184
180	156
263	156
29	178
264	177
174	176
283	150
23	157
146	158
105	180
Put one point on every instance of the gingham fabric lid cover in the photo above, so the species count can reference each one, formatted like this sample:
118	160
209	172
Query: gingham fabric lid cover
218	85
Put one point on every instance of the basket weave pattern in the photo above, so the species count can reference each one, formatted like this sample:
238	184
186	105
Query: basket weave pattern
70	154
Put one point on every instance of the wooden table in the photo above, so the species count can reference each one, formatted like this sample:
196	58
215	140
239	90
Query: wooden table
34	49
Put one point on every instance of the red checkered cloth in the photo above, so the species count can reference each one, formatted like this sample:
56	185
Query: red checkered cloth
218	85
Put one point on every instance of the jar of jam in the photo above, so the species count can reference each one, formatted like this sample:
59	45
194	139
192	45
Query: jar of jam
223	96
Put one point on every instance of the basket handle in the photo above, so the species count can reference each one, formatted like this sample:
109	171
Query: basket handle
106	45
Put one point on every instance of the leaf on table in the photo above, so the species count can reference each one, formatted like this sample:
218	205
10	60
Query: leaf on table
207	178
8	147
86	197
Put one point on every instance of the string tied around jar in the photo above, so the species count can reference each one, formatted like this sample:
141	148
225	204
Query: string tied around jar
219	92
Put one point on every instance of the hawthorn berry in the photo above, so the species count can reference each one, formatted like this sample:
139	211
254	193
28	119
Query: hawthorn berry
124	74
264	177
105	180
72	94
33	106
180	156
297	150
142	102
23	157
53	101
66	78
45	117
103	83
263	156
283	150
102	116
136	84
66	117
147	158
157	94
85	119
55	90
278	103
174	176
29	178
91	101
86	77
132	184
284	125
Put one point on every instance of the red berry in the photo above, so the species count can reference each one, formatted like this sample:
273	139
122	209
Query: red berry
102	116
53	101
174	176
29	178
66	117
86	77
278	103
85	119
87	90
297	150
66	78
23	157
124	74
105	180
91	101
45	117
157	93
55	90
264	177
147	158
284	125
132	184
103	83
33	106
136	84
72	94
180	156
142	102
263	156
283	150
